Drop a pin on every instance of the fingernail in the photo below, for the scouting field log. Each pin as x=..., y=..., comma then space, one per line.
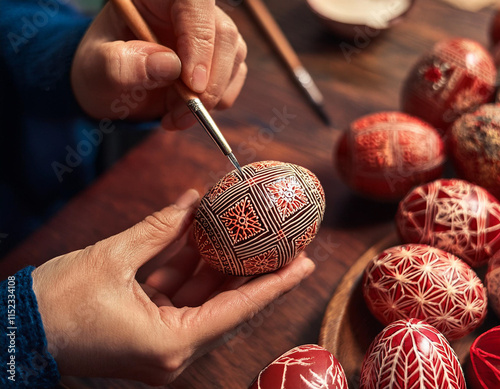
x=163, y=65
x=199, y=79
x=187, y=199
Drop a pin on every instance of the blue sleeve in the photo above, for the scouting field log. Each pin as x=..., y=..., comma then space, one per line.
x=38, y=39
x=26, y=362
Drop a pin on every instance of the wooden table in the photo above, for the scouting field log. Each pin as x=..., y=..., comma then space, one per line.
x=271, y=120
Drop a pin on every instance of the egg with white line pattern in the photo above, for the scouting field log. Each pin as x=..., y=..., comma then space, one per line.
x=411, y=354
x=303, y=367
x=257, y=221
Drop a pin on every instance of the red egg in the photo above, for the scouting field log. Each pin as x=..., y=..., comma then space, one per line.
x=474, y=145
x=423, y=282
x=495, y=29
x=455, y=77
x=303, y=367
x=384, y=155
x=411, y=354
x=453, y=215
x=484, y=368
x=258, y=221
x=492, y=280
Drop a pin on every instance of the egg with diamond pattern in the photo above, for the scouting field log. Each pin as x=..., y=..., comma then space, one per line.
x=257, y=221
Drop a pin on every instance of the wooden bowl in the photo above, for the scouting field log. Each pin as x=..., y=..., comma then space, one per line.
x=348, y=326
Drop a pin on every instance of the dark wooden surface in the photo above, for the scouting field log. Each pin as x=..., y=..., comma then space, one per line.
x=166, y=164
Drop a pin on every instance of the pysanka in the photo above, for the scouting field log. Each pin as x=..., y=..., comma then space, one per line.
x=259, y=222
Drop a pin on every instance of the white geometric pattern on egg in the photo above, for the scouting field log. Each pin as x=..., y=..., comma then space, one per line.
x=259, y=222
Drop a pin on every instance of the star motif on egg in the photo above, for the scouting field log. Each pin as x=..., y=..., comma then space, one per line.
x=435, y=74
x=288, y=196
x=241, y=220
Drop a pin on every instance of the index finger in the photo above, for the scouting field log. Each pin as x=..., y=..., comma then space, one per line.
x=194, y=27
x=228, y=309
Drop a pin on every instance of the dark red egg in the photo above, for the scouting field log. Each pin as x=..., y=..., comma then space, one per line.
x=483, y=370
x=495, y=29
x=411, y=354
x=384, y=155
x=474, y=145
x=492, y=280
x=303, y=367
x=424, y=282
x=455, y=77
x=453, y=215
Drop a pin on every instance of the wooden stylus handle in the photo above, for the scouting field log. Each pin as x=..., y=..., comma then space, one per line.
x=273, y=31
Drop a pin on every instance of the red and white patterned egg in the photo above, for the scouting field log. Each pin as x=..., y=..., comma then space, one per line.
x=453, y=215
x=424, y=282
x=411, y=354
x=455, y=77
x=303, y=367
x=384, y=155
x=258, y=222
x=474, y=145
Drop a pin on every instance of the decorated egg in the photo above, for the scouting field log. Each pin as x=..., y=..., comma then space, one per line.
x=384, y=155
x=427, y=283
x=411, y=354
x=474, y=144
x=303, y=367
x=258, y=221
x=453, y=215
x=483, y=370
x=455, y=77
x=492, y=280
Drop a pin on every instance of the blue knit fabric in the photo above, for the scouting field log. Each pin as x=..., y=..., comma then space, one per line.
x=39, y=116
x=25, y=361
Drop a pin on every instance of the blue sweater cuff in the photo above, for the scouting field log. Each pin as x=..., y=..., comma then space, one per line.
x=26, y=362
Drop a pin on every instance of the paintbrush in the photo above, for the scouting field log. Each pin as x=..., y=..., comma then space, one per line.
x=289, y=56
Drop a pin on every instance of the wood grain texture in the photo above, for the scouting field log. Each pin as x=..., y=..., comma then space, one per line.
x=270, y=121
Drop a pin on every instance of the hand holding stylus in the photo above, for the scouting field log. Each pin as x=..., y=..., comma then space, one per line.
x=117, y=76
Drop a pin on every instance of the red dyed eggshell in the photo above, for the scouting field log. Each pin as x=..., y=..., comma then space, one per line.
x=483, y=370
x=474, y=145
x=453, y=215
x=384, y=155
x=423, y=282
x=303, y=367
x=455, y=77
x=259, y=222
x=411, y=354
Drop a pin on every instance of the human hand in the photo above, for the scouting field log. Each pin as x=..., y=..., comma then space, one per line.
x=100, y=321
x=116, y=76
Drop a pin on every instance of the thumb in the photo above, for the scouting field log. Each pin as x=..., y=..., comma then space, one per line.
x=137, y=245
x=141, y=64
